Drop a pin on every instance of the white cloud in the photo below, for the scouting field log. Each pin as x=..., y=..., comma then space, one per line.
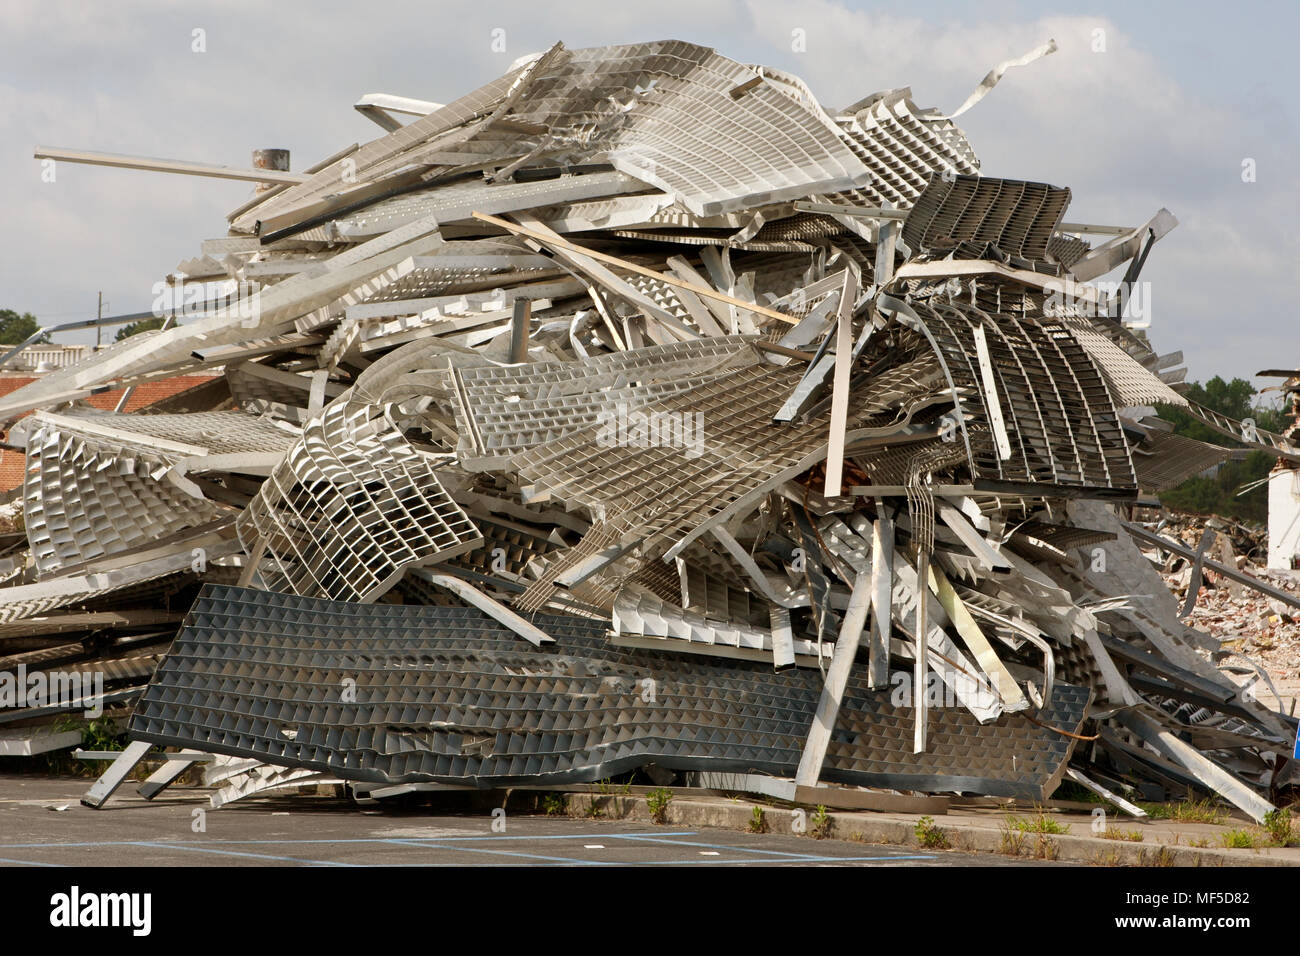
x=1115, y=126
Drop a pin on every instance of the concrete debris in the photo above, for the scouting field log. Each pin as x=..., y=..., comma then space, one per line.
x=637, y=410
x=1244, y=620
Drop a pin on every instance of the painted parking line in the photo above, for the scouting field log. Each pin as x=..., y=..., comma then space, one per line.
x=206, y=846
x=782, y=858
x=343, y=840
x=434, y=845
x=709, y=853
x=656, y=838
x=489, y=864
x=761, y=856
x=28, y=862
x=557, y=836
x=802, y=859
x=256, y=856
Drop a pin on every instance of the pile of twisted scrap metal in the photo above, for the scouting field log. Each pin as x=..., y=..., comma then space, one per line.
x=636, y=412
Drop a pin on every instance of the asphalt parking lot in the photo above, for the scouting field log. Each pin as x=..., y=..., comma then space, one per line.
x=42, y=824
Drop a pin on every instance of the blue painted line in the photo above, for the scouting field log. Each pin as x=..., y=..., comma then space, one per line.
x=655, y=838
x=539, y=859
x=755, y=855
x=780, y=856
x=29, y=862
x=41, y=846
x=692, y=862
x=256, y=856
x=462, y=865
x=751, y=862
x=429, y=845
x=554, y=836
x=493, y=837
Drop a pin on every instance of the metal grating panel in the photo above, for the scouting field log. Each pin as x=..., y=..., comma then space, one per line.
x=447, y=695
x=1165, y=460
x=350, y=508
x=84, y=498
x=1020, y=218
x=902, y=147
x=1129, y=381
x=736, y=452
x=1060, y=418
x=501, y=411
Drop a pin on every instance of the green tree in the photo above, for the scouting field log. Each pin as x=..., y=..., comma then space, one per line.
x=135, y=328
x=1218, y=495
x=15, y=328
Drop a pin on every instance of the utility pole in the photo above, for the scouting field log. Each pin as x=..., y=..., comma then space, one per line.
x=99, y=314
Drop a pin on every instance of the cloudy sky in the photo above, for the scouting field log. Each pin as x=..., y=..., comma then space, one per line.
x=1158, y=106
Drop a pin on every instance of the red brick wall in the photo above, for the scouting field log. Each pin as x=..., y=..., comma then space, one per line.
x=11, y=469
x=13, y=463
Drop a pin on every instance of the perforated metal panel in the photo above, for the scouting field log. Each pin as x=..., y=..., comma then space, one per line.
x=447, y=695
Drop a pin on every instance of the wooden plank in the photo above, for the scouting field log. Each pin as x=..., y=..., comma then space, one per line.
x=699, y=290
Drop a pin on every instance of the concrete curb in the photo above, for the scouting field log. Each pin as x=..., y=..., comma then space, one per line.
x=966, y=835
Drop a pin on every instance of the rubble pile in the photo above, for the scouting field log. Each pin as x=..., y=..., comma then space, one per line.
x=1242, y=618
x=638, y=412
